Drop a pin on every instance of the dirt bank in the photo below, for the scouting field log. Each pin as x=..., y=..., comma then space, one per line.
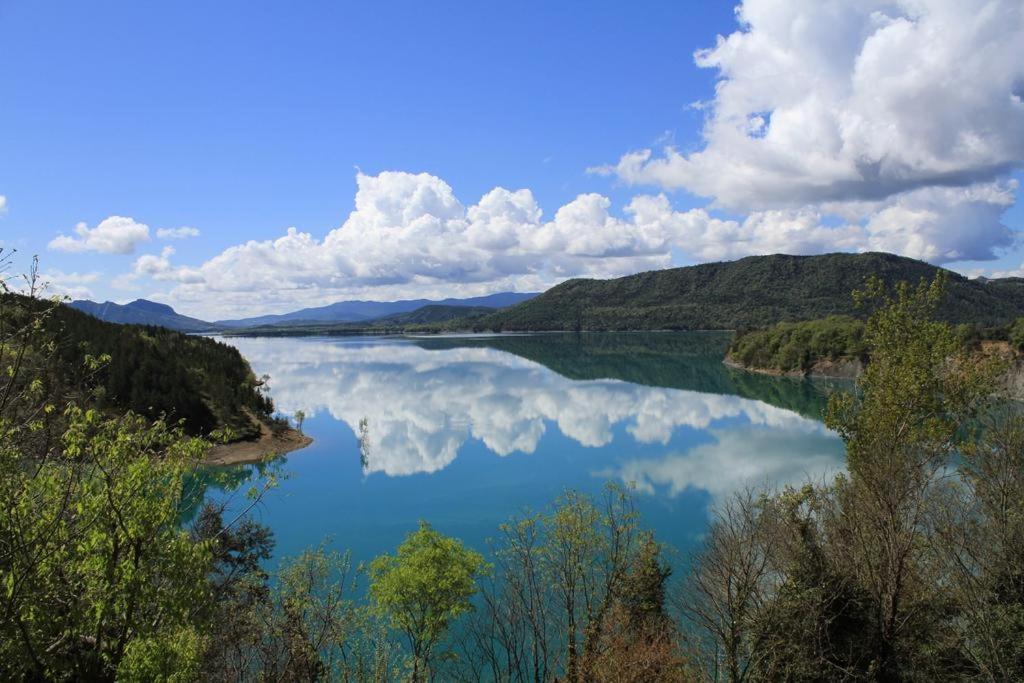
x=269, y=444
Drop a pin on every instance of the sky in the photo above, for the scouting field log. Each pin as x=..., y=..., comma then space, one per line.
x=240, y=158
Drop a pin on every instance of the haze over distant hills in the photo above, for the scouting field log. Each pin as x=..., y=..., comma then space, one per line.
x=355, y=311
x=144, y=312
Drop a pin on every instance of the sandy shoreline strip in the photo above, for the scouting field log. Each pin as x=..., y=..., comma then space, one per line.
x=269, y=444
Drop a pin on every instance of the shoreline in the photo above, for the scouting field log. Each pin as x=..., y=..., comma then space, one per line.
x=843, y=368
x=269, y=445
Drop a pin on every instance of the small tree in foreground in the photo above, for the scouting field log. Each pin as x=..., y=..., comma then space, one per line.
x=424, y=588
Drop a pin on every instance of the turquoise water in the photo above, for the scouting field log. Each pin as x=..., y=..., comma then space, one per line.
x=466, y=431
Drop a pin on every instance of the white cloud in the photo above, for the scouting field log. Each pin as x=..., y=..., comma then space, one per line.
x=114, y=235
x=410, y=235
x=176, y=233
x=901, y=116
x=853, y=100
x=159, y=268
x=3, y=203
x=71, y=285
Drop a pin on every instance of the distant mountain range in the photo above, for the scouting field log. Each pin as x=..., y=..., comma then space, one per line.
x=144, y=312
x=752, y=292
x=358, y=311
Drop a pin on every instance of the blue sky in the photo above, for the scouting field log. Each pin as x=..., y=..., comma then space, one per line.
x=242, y=120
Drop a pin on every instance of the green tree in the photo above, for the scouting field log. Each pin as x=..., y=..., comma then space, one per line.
x=424, y=588
x=99, y=579
x=901, y=429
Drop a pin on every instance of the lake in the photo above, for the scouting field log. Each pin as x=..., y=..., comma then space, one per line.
x=465, y=432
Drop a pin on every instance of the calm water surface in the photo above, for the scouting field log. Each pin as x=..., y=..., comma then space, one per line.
x=465, y=432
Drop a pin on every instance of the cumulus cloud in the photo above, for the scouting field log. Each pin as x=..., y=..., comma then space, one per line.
x=409, y=234
x=159, y=268
x=902, y=116
x=176, y=233
x=3, y=203
x=70, y=285
x=114, y=235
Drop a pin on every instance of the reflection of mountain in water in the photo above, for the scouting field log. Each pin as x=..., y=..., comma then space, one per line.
x=690, y=361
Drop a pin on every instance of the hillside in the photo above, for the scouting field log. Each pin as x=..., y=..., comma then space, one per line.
x=152, y=371
x=435, y=313
x=142, y=312
x=752, y=292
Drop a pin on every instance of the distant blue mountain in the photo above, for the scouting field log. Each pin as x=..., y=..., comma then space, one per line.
x=142, y=312
x=355, y=311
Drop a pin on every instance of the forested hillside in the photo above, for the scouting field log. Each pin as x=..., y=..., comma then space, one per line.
x=751, y=292
x=151, y=370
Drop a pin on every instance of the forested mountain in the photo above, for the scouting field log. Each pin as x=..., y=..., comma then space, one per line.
x=357, y=311
x=751, y=292
x=142, y=312
x=152, y=370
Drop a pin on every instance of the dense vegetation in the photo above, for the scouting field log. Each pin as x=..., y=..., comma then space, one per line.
x=808, y=347
x=152, y=371
x=798, y=347
x=752, y=292
x=893, y=571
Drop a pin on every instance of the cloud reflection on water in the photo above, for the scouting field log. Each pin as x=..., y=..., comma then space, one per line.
x=421, y=406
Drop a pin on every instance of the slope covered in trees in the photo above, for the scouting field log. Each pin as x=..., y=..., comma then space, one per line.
x=149, y=370
x=751, y=292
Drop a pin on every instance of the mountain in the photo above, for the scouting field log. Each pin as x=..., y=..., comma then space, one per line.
x=142, y=312
x=356, y=311
x=752, y=292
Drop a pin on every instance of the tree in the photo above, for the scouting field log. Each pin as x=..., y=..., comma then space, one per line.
x=563, y=578
x=100, y=580
x=855, y=579
x=908, y=418
x=981, y=538
x=729, y=586
x=638, y=639
x=424, y=588
x=300, y=417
